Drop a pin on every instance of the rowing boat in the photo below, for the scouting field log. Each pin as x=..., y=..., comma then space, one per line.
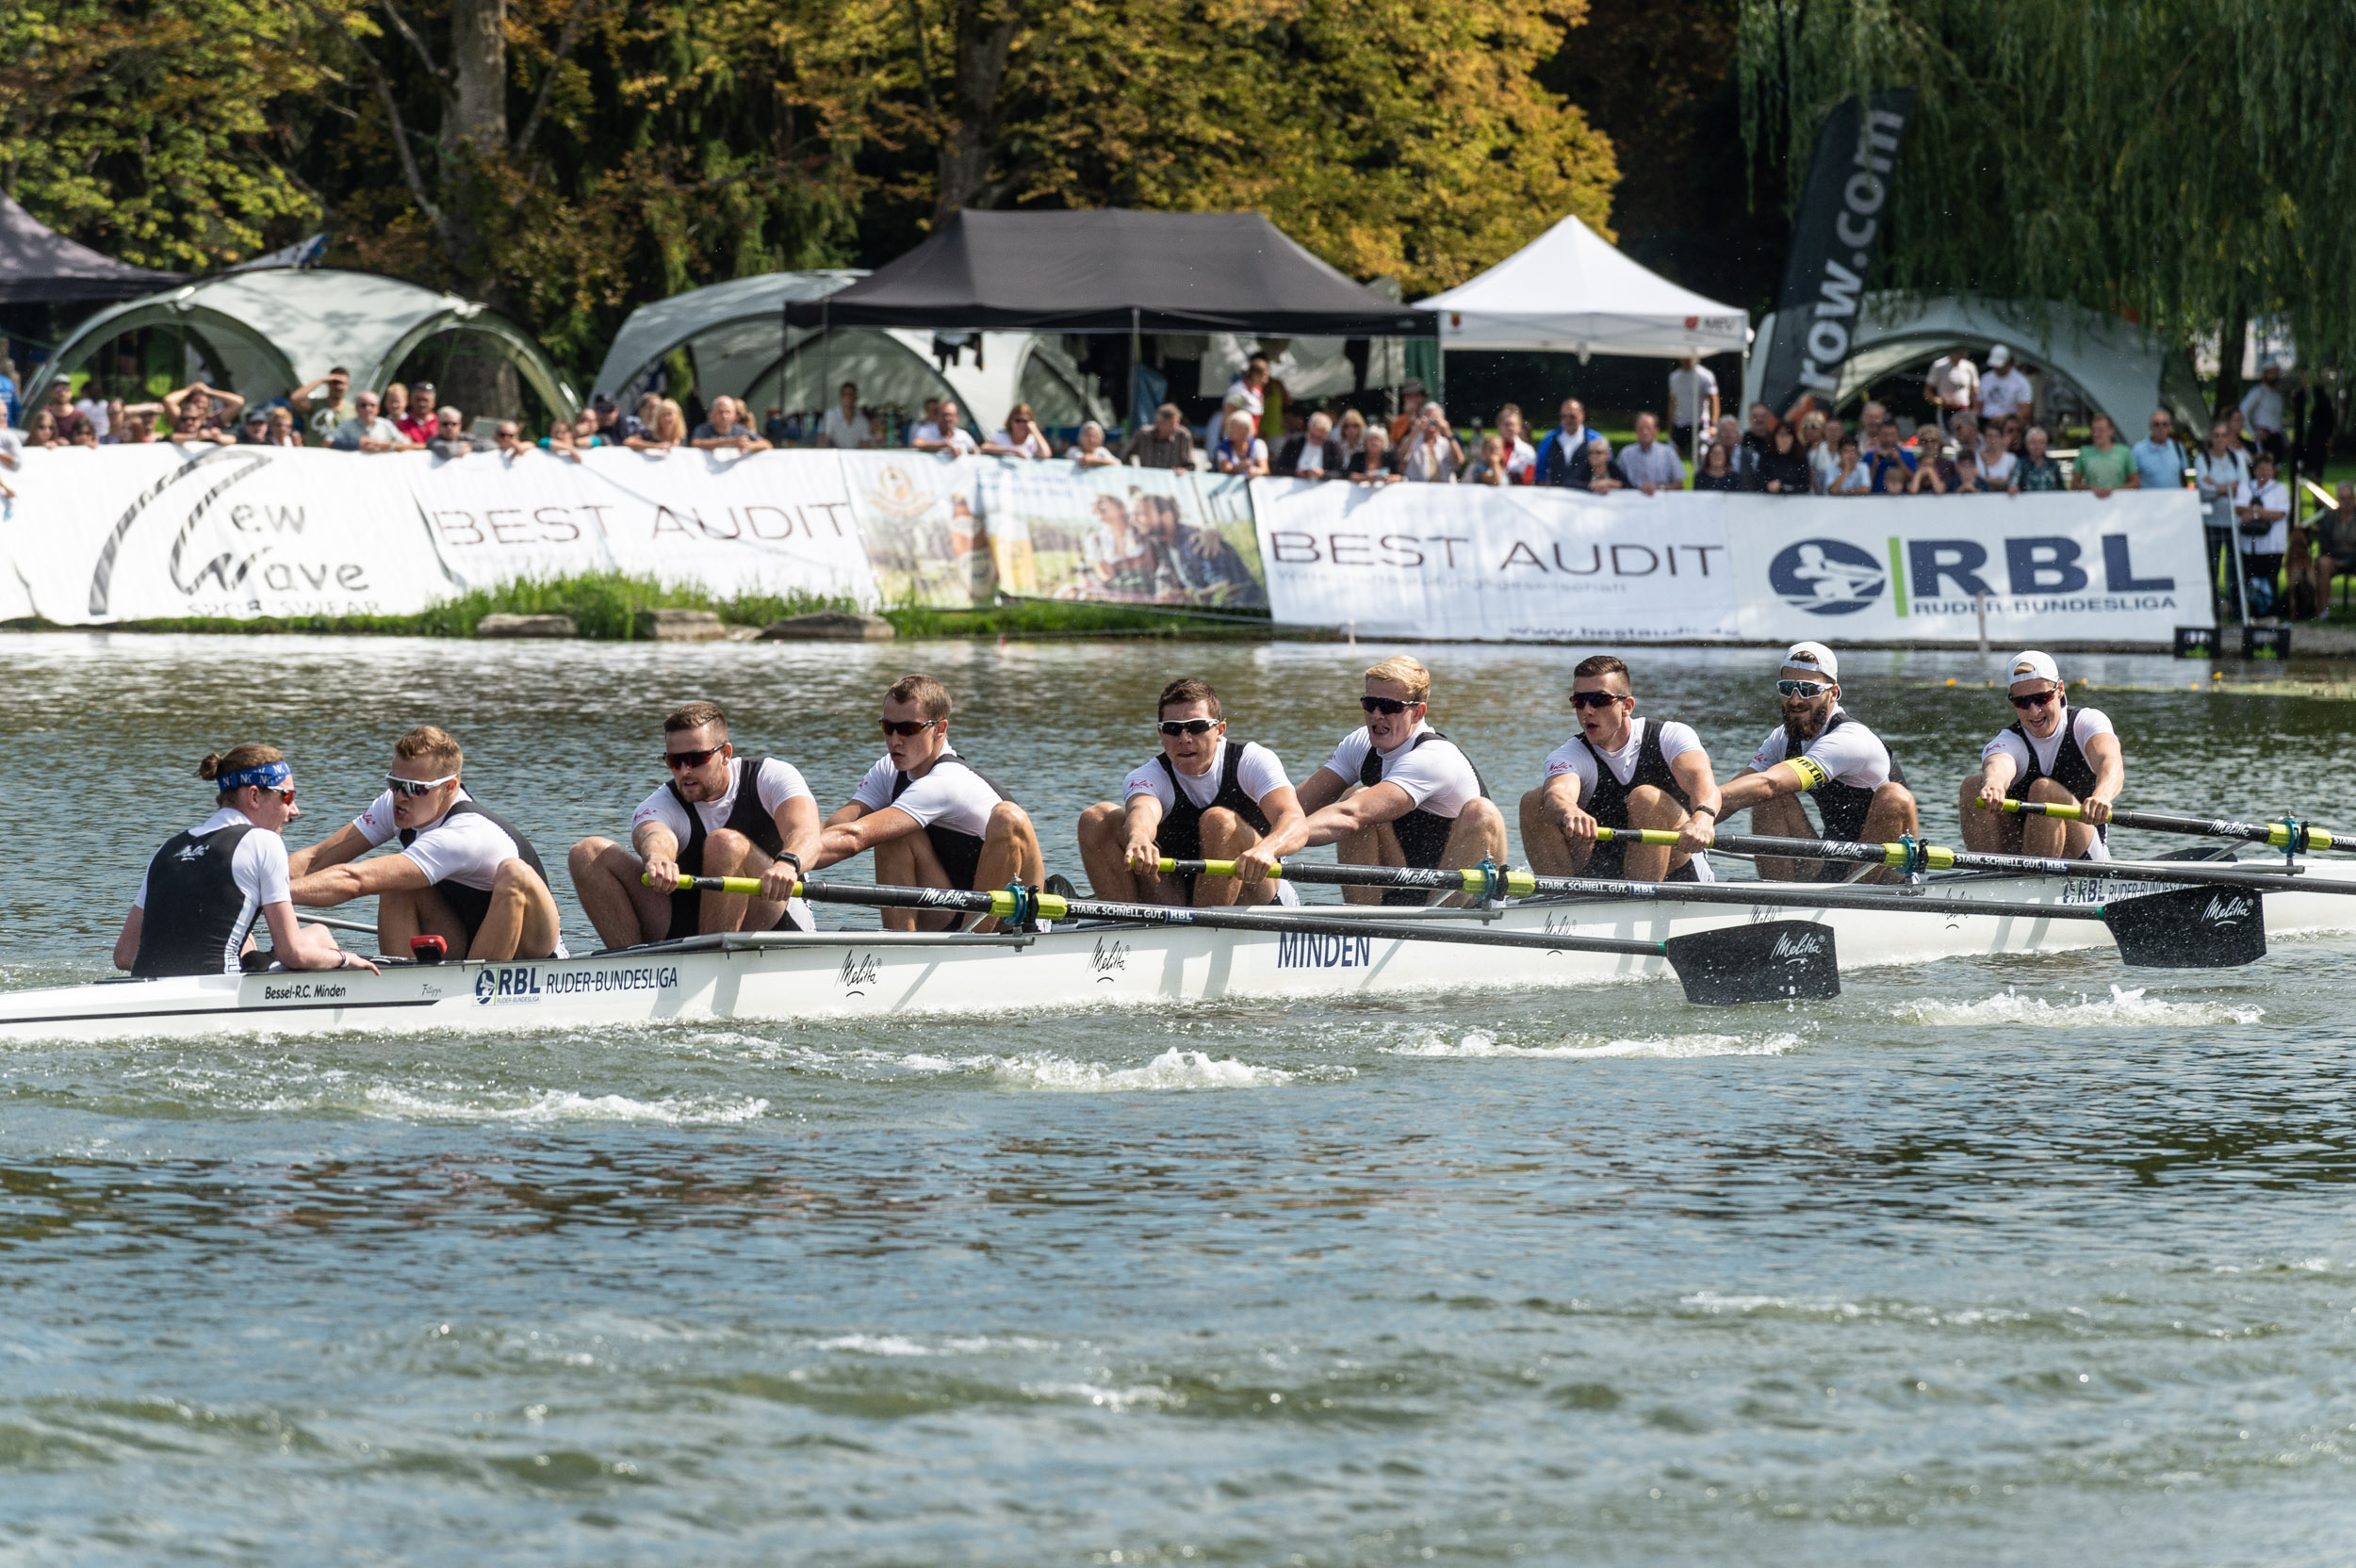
x=854, y=974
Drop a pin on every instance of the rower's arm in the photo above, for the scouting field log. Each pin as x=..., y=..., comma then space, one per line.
x=1692, y=771
x=1996, y=776
x=798, y=828
x=1287, y=834
x=127, y=944
x=344, y=843
x=842, y=840
x=1377, y=803
x=1751, y=788
x=342, y=884
x=1320, y=790
x=2110, y=777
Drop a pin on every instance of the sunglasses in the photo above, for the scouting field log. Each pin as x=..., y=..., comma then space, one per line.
x=1383, y=705
x=2036, y=699
x=1188, y=726
x=908, y=726
x=413, y=788
x=1594, y=699
x=681, y=760
x=1802, y=688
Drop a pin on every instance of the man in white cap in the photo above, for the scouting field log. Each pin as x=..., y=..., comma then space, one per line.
x=1820, y=750
x=2054, y=753
x=2004, y=391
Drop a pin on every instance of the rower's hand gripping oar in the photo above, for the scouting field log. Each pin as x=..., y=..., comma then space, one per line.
x=2290, y=835
x=1773, y=961
x=2216, y=922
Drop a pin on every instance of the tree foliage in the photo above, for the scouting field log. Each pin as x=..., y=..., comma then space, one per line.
x=2175, y=160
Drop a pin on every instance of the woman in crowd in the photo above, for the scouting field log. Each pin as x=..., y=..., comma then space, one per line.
x=79, y=432
x=1853, y=477
x=1996, y=459
x=1936, y=474
x=1432, y=454
x=1783, y=470
x=1601, y=480
x=42, y=429
x=1716, y=472
x=1239, y=452
x=1021, y=438
x=1350, y=432
x=396, y=409
x=2034, y=473
x=668, y=429
x=1089, y=452
x=1492, y=465
x=1371, y=463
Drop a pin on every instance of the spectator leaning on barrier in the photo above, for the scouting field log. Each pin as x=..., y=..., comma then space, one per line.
x=1090, y=450
x=368, y=429
x=1783, y=468
x=1312, y=454
x=1164, y=444
x=2262, y=409
x=1761, y=437
x=1854, y=477
x=2160, y=458
x=253, y=430
x=508, y=440
x=1887, y=455
x=1649, y=464
x=1240, y=450
x=2104, y=464
x=1490, y=467
x=1717, y=470
x=451, y=439
x=1371, y=463
x=1996, y=460
x=1969, y=481
x=2034, y=473
x=942, y=434
x=726, y=430
x=1935, y=473
x=323, y=416
x=1601, y=480
x=196, y=411
x=2003, y=391
x=418, y=425
x=1351, y=433
x=1021, y=438
x=1563, y=458
x=60, y=400
x=1742, y=458
x=41, y=431
x=2262, y=507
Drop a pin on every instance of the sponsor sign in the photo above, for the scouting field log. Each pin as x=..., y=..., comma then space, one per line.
x=1120, y=535
x=920, y=519
x=528, y=985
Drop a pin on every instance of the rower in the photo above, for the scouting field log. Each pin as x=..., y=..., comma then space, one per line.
x=2054, y=753
x=195, y=908
x=1394, y=792
x=1203, y=796
x=706, y=822
x=1821, y=751
x=464, y=873
x=1621, y=772
x=931, y=817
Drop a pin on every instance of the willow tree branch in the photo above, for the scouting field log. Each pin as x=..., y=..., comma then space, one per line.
x=564, y=44
x=425, y=56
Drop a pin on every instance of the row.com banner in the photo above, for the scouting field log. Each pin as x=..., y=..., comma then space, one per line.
x=1519, y=565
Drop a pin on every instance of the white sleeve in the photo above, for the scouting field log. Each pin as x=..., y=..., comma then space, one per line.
x=780, y=782
x=2241, y=492
x=465, y=849
x=260, y=867
x=1852, y=755
x=1677, y=740
x=1573, y=756
x=376, y=824
x=1258, y=772
x=1771, y=751
x=661, y=806
x=953, y=797
x=2008, y=745
x=1436, y=775
x=1349, y=756
x=2086, y=723
x=1148, y=778
x=874, y=790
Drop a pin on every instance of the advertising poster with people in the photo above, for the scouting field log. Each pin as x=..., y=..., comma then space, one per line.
x=1119, y=536
x=921, y=519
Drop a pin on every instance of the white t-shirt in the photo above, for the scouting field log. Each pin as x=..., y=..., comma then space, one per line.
x=1690, y=392
x=1034, y=445
x=1523, y=458
x=2085, y=722
x=778, y=782
x=466, y=848
x=2261, y=407
x=1252, y=399
x=2273, y=495
x=843, y=435
x=93, y=409
x=1953, y=379
x=959, y=440
x=1849, y=753
x=2004, y=393
x=258, y=863
x=949, y=796
x=1573, y=756
x=1996, y=472
x=1437, y=777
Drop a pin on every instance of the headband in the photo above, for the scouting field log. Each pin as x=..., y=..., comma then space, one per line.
x=270, y=775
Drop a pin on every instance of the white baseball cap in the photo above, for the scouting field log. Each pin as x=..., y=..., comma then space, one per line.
x=2033, y=665
x=2000, y=355
x=1814, y=656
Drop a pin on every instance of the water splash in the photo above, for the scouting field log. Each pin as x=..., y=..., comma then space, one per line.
x=1587, y=1048
x=2120, y=1009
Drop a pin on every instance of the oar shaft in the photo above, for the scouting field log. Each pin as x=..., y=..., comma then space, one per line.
x=309, y=918
x=2280, y=835
x=1938, y=858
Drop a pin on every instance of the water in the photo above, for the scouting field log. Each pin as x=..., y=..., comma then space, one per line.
x=1989, y=1262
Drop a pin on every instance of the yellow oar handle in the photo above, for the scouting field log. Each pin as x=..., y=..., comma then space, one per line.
x=2040, y=809
x=1002, y=903
x=1217, y=868
x=1518, y=884
x=748, y=886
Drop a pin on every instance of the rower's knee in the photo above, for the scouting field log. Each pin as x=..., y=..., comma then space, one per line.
x=1102, y=820
x=515, y=878
x=2046, y=791
x=1968, y=794
x=1225, y=835
x=1649, y=806
x=726, y=851
x=1481, y=815
x=1535, y=818
x=1008, y=821
x=586, y=855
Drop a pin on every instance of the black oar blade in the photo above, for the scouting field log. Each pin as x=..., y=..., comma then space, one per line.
x=1778, y=960
x=2190, y=928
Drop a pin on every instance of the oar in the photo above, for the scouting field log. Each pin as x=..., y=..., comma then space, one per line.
x=2185, y=929
x=309, y=918
x=2296, y=837
x=1773, y=961
x=2147, y=939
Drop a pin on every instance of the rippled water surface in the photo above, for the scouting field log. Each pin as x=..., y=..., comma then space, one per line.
x=2029, y=1261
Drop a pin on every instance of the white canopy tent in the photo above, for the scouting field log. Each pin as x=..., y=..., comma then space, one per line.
x=1570, y=291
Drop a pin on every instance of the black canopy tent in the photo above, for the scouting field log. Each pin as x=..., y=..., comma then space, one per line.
x=1114, y=270
x=40, y=266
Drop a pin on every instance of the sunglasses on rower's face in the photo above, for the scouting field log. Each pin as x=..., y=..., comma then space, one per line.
x=1802, y=688
x=908, y=726
x=681, y=760
x=2036, y=699
x=415, y=787
x=1383, y=705
x=1594, y=699
x=1188, y=726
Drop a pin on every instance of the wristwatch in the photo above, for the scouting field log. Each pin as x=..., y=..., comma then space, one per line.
x=789, y=855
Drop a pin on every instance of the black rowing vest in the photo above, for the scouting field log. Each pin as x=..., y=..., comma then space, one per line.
x=1181, y=834
x=1608, y=804
x=1422, y=834
x=196, y=917
x=473, y=905
x=2072, y=770
x=745, y=817
x=960, y=854
x=1843, y=804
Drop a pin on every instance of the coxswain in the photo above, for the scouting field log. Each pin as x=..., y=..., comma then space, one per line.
x=196, y=907
x=1394, y=792
x=720, y=815
x=1820, y=751
x=1203, y=796
x=931, y=817
x=1621, y=772
x=464, y=873
x=2052, y=753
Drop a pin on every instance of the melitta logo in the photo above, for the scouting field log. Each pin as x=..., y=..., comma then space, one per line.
x=2226, y=909
x=1826, y=577
x=1792, y=949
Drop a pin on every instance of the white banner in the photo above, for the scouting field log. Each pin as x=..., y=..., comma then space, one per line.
x=1474, y=562
x=1480, y=563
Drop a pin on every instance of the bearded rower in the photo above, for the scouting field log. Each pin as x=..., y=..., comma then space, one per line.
x=931, y=817
x=464, y=873
x=1203, y=796
x=196, y=907
x=720, y=815
x=1394, y=792
x=2052, y=753
x=1621, y=772
x=1820, y=750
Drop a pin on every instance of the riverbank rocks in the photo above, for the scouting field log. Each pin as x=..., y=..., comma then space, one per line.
x=830, y=626
x=505, y=625
x=680, y=626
